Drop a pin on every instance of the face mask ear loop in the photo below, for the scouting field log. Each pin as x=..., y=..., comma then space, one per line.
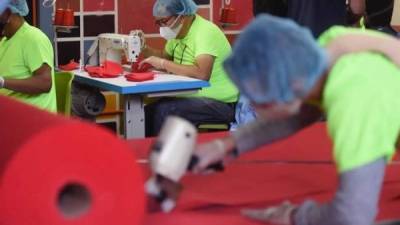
x=176, y=20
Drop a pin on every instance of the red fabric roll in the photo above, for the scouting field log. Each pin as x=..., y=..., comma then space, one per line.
x=57, y=171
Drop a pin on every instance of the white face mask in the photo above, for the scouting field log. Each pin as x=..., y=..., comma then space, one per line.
x=169, y=33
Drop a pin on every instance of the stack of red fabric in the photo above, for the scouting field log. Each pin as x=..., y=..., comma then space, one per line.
x=143, y=69
x=108, y=70
x=72, y=65
x=138, y=77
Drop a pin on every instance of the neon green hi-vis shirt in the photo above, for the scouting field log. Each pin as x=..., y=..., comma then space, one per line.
x=362, y=101
x=25, y=52
x=204, y=37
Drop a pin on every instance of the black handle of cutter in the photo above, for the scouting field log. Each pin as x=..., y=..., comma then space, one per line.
x=218, y=166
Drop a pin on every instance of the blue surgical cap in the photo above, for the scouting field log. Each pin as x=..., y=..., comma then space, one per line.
x=275, y=60
x=3, y=5
x=19, y=7
x=165, y=8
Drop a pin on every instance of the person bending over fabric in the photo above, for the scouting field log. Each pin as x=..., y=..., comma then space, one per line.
x=358, y=92
x=26, y=59
x=195, y=48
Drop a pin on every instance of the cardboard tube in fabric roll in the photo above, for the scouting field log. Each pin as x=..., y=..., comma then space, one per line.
x=55, y=171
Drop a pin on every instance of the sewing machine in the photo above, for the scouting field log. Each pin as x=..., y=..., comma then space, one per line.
x=113, y=46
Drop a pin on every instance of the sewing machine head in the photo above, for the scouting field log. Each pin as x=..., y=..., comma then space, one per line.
x=112, y=46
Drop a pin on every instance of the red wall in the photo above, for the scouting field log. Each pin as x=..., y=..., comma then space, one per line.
x=137, y=14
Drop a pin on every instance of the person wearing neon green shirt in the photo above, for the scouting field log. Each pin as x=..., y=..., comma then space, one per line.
x=352, y=77
x=195, y=48
x=26, y=59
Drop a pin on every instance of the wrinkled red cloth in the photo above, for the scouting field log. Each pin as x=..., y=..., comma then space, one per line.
x=72, y=65
x=145, y=67
x=247, y=182
x=138, y=77
x=108, y=70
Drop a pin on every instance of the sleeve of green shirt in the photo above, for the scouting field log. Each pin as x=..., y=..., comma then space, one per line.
x=38, y=51
x=208, y=44
x=337, y=31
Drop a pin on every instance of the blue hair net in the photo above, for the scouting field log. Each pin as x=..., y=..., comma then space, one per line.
x=275, y=60
x=3, y=5
x=19, y=7
x=165, y=8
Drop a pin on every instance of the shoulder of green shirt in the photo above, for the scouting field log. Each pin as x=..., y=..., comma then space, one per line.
x=337, y=31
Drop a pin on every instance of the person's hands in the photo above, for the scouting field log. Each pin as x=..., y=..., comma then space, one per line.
x=209, y=154
x=154, y=61
x=281, y=214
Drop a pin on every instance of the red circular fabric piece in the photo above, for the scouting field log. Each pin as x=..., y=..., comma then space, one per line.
x=42, y=153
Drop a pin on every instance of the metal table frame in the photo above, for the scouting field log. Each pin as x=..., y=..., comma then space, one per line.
x=133, y=92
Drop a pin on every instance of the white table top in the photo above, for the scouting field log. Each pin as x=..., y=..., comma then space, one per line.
x=162, y=82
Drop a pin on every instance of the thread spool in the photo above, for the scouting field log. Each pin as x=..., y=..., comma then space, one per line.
x=59, y=17
x=69, y=19
x=228, y=15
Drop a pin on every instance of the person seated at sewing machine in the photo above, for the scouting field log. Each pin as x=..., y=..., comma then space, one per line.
x=26, y=59
x=358, y=92
x=195, y=48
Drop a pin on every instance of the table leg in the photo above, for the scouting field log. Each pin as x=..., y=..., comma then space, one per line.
x=134, y=117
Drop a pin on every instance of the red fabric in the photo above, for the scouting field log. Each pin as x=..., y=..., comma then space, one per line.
x=72, y=65
x=138, y=77
x=113, y=68
x=218, y=198
x=41, y=153
x=108, y=70
x=145, y=67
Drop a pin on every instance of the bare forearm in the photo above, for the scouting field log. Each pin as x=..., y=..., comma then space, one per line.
x=262, y=132
x=185, y=70
x=354, y=43
x=31, y=86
